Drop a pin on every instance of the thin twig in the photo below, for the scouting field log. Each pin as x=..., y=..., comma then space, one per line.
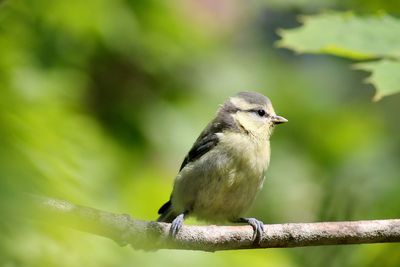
x=153, y=235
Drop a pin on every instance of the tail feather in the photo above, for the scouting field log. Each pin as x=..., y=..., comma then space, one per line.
x=166, y=213
x=164, y=207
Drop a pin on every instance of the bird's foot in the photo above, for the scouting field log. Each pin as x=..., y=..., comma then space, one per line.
x=176, y=224
x=258, y=228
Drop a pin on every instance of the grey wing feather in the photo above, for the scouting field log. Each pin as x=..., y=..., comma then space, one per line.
x=203, y=144
x=208, y=138
x=206, y=141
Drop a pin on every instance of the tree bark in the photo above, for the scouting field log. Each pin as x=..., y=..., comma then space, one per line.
x=154, y=235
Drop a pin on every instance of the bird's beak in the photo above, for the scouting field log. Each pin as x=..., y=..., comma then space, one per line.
x=278, y=119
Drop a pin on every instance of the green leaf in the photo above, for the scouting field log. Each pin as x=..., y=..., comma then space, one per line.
x=385, y=76
x=346, y=35
x=355, y=37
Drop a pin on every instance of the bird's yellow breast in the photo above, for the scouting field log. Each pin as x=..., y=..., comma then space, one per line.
x=223, y=183
x=250, y=154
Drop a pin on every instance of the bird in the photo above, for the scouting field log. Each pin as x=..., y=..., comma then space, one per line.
x=224, y=170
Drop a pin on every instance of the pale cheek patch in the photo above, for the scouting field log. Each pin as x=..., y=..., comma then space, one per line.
x=249, y=122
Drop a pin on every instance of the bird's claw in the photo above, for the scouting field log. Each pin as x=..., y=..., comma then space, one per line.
x=176, y=225
x=258, y=228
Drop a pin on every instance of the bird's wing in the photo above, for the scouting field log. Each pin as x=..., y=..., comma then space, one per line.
x=206, y=141
x=209, y=138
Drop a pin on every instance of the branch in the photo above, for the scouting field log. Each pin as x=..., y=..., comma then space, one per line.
x=153, y=235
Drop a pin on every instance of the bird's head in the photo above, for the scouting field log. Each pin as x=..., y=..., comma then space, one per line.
x=252, y=113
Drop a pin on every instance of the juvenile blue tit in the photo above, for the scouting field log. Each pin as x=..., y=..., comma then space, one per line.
x=224, y=170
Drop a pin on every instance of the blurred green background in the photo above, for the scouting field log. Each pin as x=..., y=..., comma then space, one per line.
x=101, y=100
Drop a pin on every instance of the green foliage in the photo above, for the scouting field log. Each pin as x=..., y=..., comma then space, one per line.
x=354, y=37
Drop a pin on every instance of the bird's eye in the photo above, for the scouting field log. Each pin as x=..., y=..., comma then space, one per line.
x=261, y=112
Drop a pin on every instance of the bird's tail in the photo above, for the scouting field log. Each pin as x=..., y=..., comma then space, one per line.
x=166, y=213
